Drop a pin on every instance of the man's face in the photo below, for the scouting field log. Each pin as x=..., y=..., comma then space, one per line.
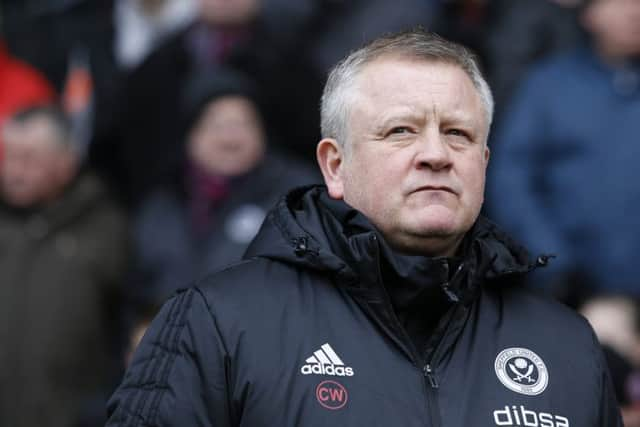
x=35, y=166
x=416, y=157
x=615, y=26
x=228, y=138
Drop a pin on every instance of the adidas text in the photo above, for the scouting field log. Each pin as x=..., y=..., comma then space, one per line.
x=319, y=369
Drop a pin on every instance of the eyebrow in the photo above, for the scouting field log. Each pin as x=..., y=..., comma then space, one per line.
x=458, y=118
x=396, y=115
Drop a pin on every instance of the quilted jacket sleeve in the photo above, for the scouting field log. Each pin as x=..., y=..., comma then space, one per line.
x=178, y=374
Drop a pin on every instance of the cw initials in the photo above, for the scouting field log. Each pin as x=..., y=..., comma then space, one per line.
x=331, y=394
x=335, y=395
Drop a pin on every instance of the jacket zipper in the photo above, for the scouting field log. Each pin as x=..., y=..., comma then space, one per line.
x=430, y=379
x=431, y=386
x=429, y=375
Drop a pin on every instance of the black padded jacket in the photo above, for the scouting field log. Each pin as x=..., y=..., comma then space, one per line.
x=303, y=333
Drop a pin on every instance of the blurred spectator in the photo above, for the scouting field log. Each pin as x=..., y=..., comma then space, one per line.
x=140, y=25
x=616, y=320
x=20, y=86
x=524, y=32
x=61, y=261
x=564, y=158
x=52, y=34
x=510, y=35
x=625, y=380
x=230, y=177
x=148, y=122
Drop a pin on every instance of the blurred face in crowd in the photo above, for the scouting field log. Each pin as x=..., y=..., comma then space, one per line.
x=152, y=7
x=229, y=13
x=36, y=165
x=615, y=27
x=228, y=138
x=416, y=154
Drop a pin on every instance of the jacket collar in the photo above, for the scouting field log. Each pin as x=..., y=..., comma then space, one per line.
x=310, y=229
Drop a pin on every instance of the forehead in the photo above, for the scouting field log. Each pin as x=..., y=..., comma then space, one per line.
x=36, y=134
x=396, y=78
x=391, y=86
x=229, y=105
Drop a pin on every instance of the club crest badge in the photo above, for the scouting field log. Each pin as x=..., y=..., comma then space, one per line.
x=522, y=371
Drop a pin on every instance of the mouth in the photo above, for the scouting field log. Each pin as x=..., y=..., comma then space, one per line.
x=434, y=188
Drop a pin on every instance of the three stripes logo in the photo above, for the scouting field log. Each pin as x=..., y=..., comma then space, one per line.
x=325, y=361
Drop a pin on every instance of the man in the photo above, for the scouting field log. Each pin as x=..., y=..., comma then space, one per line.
x=206, y=216
x=382, y=300
x=61, y=260
x=566, y=152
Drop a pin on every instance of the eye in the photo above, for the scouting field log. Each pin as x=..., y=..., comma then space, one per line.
x=457, y=132
x=399, y=130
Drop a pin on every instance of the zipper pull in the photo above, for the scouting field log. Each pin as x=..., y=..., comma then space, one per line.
x=430, y=376
x=449, y=293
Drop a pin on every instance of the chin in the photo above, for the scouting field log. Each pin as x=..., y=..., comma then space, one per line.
x=433, y=238
x=434, y=224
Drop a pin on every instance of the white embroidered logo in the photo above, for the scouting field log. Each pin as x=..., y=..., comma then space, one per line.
x=522, y=371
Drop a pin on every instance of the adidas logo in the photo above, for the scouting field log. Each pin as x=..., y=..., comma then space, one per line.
x=325, y=361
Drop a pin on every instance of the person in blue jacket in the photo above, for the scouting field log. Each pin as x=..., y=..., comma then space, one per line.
x=563, y=178
x=382, y=298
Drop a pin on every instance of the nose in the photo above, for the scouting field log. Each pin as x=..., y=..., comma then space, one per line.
x=432, y=152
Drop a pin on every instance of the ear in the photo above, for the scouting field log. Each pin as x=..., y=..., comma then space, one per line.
x=330, y=159
x=487, y=155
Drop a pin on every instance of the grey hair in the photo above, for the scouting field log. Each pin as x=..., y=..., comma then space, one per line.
x=413, y=44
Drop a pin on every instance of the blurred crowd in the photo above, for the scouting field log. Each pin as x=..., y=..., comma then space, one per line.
x=143, y=141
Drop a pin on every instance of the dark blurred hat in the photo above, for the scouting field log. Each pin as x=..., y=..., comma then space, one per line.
x=205, y=86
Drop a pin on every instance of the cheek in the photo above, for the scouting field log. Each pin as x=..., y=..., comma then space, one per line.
x=373, y=187
x=474, y=185
x=202, y=149
x=42, y=174
x=355, y=181
x=248, y=143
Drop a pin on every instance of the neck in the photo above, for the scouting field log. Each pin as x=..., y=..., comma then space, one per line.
x=436, y=246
